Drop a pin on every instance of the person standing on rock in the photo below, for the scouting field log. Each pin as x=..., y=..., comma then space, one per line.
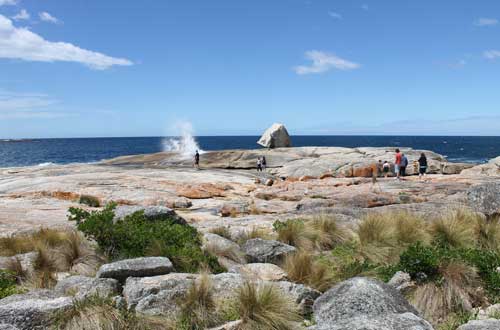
x=259, y=165
x=397, y=164
x=386, y=168
x=422, y=162
x=197, y=160
x=404, y=164
x=264, y=163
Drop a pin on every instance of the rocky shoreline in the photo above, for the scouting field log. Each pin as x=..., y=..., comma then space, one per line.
x=228, y=194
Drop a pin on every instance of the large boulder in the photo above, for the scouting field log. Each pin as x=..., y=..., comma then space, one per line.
x=33, y=310
x=138, y=267
x=7, y=327
x=485, y=198
x=159, y=295
x=83, y=286
x=364, y=303
x=266, y=251
x=152, y=213
x=489, y=324
x=275, y=136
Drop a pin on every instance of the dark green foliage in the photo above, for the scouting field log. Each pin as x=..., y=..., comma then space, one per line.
x=89, y=200
x=421, y=262
x=136, y=236
x=7, y=284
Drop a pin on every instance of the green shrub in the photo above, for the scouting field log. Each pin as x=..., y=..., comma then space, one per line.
x=7, y=284
x=89, y=200
x=135, y=236
x=418, y=260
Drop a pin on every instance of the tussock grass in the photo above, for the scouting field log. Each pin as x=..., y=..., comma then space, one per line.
x=327, y=233
x=295, y=233
x=383, y=236
x=455, y=229
x=302, y=267
x=265, y=307
x=458, y=291
x=198, y=307
x=488, y=233
x=222, y=231
x=89, y=200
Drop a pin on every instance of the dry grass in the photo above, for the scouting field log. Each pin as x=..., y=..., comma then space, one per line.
x=296, y=233
x=222, y=231
x=302, y=268
x=458, y=291
x=488, y=233
x=455, y=229
x=198, y=308
x=76, y=251
x=383, y=236
x=327, y=232
x=265, y=307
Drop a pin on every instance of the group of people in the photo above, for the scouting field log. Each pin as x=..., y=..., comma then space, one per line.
x=401, y=163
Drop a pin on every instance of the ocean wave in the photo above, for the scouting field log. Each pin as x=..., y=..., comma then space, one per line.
x=46, y=164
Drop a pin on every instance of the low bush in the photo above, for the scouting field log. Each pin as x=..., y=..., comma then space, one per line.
x=421, y=262
x=8, y=284
x=89, y=200
x=135, y=236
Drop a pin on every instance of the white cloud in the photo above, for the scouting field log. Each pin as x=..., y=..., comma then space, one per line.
x=323, y=62
x=491, y=54
x=21, y=43
x=364, y=7
x=46, y=17
x=22, y=15
x=28, y=105
x=486, y=22
x=8, y=2
x=334, y=15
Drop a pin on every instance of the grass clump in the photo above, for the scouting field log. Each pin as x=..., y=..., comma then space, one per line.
x=255, y=232
x=136, y=236
x=456, y=229
x=295, y=233
x=301, y=267
x=198, y=307
x=265, y=307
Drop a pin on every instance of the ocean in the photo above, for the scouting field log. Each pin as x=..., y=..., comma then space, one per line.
x=86, y=150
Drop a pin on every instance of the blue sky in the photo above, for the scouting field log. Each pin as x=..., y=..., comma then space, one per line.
x=135, y=68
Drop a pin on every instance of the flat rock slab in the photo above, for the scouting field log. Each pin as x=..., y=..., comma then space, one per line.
x=33, y=310
x=139, y=267
x=83, y=286
x=489, y=324
x=260, y=271
x=266, y=251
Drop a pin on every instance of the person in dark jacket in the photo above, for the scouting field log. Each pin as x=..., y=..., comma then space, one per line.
x=422, y=163
x=404, y=164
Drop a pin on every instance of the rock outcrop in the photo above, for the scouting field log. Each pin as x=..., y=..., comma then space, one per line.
x=34, y=310
x=275, y=136
x=489, y=324
x=138, y=267
x=485, y=198
x=266, y=251
x=82, y=287
x=260, y=271
x=364, y=303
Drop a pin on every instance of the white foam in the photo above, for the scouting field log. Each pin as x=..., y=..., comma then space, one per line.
x=46, y=164
x=184, y=144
